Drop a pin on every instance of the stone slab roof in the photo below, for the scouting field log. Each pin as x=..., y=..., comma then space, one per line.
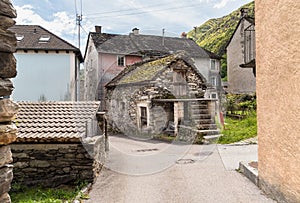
x=137, y=43
x=147, y=71
x=35, y=37
x=54, y=121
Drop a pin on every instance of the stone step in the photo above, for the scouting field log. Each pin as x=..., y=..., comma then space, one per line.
x=204, y=121
x=199, y=111
x=198, y=106
x=206, y=127
x=211, y=138
x=201, y=116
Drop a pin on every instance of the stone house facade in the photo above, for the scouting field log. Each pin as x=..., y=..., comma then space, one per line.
x=149, y=96
x=107, y=55
x=278, y=95
x=8, y=109
x=241, y=57
x=57, y=143
x=39, y=51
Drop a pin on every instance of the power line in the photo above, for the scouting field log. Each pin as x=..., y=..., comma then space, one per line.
x=131, y=9
x=142, y=12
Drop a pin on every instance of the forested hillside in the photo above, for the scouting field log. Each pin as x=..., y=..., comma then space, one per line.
x=215, y=33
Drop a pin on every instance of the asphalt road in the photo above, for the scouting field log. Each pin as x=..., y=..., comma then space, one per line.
x=149, y=171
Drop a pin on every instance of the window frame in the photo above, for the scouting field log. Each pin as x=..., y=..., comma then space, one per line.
x=121, y=61
x=213, y=81
x=215, y=64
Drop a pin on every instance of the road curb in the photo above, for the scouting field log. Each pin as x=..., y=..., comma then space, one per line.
x=250, y=172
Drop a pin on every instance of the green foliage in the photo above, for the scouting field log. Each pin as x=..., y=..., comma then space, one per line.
x=237, y=130
x=223, y=71
x=50, y=195
x=22, y=194
x=240, y=103
x=214, y=34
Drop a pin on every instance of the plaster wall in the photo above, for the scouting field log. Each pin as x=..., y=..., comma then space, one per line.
x=240, y=80
x=47, y=74
x=278, y=95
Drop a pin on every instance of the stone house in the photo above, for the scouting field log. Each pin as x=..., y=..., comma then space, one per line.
x=159, y=95
x=42, y=57
x=57, y=143
x=241, y=57
x=106, y=55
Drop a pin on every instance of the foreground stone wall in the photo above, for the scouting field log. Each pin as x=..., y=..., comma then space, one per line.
x=51, y=165
x=8, y=109
x=278, y=96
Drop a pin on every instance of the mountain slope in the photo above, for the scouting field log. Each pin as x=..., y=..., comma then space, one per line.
x=214, y=34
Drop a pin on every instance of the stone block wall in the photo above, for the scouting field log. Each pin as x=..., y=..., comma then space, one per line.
x=51, y=165
x=8, y=109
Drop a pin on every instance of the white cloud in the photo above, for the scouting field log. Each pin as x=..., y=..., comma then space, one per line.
x=222, y=3
x=62, y=22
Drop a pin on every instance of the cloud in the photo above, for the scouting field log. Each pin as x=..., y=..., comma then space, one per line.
x=222, y=4
x=62, y=22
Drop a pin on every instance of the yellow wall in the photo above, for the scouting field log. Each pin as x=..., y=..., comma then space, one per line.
x=278, y=97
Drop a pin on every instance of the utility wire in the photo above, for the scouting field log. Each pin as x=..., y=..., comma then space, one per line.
x=142, y=12
x=131, y=9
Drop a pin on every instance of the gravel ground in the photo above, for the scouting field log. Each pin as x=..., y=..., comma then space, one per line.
x=198, y=175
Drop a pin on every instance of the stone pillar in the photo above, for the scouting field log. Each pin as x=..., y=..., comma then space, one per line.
x=8, y=109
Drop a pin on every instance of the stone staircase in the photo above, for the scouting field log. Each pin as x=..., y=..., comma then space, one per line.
x=203, y=120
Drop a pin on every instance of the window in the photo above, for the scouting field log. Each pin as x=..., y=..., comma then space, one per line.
x=143, y=116
x=213, y=96
x=44, y=39
x=19, y=37
x=213, y=81
x=121, y=61
x=213, y=64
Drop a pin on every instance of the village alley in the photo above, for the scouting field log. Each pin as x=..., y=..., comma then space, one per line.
x=175, y=173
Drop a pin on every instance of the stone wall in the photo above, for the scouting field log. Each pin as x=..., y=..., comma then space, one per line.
x=8, y=109
x=278, y=63
x=51, y=165
x=123, y=101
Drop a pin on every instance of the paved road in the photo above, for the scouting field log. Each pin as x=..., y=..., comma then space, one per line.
x=174, y=173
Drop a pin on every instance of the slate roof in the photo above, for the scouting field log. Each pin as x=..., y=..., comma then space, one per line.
x=138, y=43
x=146, y=71
x=30, y=36
x=54, y=121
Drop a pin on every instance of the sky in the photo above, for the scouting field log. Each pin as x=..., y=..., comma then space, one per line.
x=120, y=16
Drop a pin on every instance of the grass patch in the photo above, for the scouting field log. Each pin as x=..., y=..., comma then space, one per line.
x=20, y=194
x=237, y=130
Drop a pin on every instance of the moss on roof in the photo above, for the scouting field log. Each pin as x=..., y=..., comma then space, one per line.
x=147, y=71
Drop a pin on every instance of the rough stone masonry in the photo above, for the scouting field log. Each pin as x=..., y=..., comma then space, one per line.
x=8, y=109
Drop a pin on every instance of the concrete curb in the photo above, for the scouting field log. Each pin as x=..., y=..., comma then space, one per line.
x=250, y=172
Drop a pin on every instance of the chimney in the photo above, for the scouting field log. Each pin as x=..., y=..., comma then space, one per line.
x=183, y=35
x=98, y=28
x=244, y=12
x=135, y=31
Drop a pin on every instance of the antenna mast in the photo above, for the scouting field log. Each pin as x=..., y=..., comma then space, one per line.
x=78, y=21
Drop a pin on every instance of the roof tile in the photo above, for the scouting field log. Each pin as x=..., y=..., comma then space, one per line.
x=54, y=121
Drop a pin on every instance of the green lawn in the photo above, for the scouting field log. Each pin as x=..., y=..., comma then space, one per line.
x=236, y=130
